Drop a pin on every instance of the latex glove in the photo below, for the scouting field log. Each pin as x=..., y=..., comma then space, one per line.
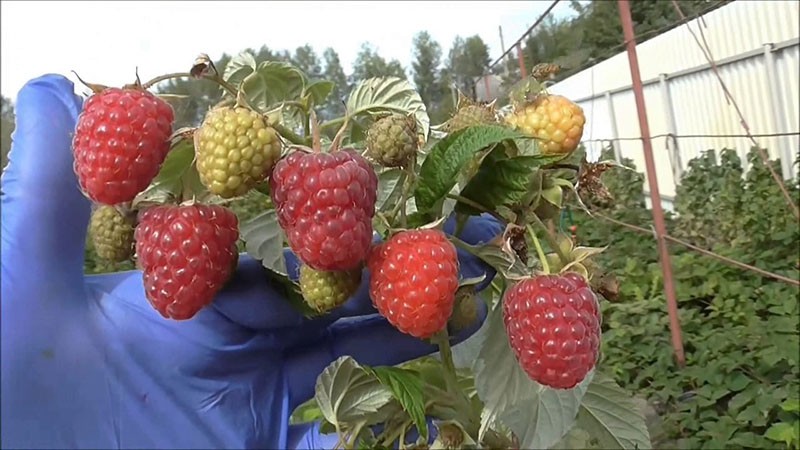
x=88, y=363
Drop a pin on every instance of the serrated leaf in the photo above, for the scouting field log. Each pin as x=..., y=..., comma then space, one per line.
x=506, y=263
x=345, y=392
x=390, y=183
x=539, y=416
x=543, y=421
x=272, y=83
x=263, y=239
x=307, y=412
x=501, y=181
x=612, y=417
x=438, y=174
x=177, y=173
x=495, y=362
x=388, y=94
x=407, y=388
x=319, y=90
x=553, y=195
x=239, y=67
x=783, y=432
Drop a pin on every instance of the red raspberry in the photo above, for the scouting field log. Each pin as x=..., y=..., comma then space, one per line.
x=414, y=279
x=187, y=254
x=325, y=202
x=120, y=142
x=553, y=325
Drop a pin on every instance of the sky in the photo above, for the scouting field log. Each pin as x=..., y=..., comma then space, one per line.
x=104, y=42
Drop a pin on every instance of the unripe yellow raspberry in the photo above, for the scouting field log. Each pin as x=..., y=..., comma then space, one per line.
x=555, y=120
x=236, y=150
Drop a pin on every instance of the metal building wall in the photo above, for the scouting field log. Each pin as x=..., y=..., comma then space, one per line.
x=756, y=45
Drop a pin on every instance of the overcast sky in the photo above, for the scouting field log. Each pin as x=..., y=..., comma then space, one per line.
x=104, y=41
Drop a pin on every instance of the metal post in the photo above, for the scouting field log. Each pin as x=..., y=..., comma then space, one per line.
x=655, y=196
x=672, y=128
x=522, y=71
x=612, y=117
x=778, y=117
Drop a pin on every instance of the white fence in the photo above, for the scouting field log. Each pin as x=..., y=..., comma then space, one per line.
x=756, y=46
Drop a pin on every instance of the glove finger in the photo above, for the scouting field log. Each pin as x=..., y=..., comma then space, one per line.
x=45, y=216
x=370, y=340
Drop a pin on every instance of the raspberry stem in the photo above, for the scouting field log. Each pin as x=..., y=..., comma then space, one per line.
x=442, y=339
x=551, y=241
x=539, y=251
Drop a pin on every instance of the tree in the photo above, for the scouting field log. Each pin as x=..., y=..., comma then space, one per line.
x=335, y=74
x=306, y=59
x=370, y=64
x=7, y=125
x=427, y=59
x=468, y=60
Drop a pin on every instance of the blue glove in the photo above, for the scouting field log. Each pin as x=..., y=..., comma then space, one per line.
x=88, y=363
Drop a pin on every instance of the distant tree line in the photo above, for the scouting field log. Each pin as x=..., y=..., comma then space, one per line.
x=593, y=34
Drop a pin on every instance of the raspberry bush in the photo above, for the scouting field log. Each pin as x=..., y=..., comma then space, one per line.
x=326, y=189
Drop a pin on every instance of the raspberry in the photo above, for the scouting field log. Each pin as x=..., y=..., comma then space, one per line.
x=555, y=120
x=324, y=291
x=393, y=140
x=325, y=203
x=553, y=325
x=465, y=311
x=111, y=233
x=414, y=278
x=236, y=150
x=187, y=254
x=471, y=115
x=120, y=142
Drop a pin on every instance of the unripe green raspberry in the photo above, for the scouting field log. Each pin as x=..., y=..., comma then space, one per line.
x=236, y=150
x=324, y=291
x=392, y=141
x=472, y=115
x=111, y=233
x=465, y=311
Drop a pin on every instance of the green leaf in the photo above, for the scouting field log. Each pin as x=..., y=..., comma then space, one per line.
x=506, y=263
x=263, y=239
x=306, y=413
x=448, y=157
x=612, y=417
x=319, y=90
x=345, y=392
x=390, y=183
x=407, y=388
x=273, y=82
x=239, y=67
x=791, y=405
x=501, y=181
x=543, y=421
x=388, y=94
x=539, y=416
x=178, y=175
x=554, y=195
x=783, y=432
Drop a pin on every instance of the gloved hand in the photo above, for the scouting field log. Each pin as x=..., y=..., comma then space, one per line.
x=88, y=363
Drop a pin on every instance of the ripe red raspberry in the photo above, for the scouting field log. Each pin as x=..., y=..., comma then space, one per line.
x=553, y=325
x=325, y=202
x=120, y=142
x=414, y=279
x=187, y=254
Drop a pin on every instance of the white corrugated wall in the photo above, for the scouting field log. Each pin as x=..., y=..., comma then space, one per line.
x=736, y=34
